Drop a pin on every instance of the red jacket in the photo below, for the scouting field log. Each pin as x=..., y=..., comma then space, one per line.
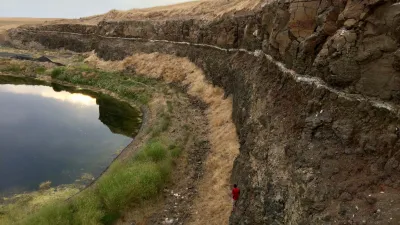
x=235, y=193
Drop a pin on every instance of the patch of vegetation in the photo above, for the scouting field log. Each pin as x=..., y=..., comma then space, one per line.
x=131, y=87
x=162, y=125
x=40, y=70
x=176, y=151
x=133, y=182
x=16, y=209
x=13, y=68
x=126, y=183
x=55, y=73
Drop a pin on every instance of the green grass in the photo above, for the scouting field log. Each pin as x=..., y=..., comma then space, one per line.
x=176, y=151
x=40, y=70
x=57, y=214
x=155, y=151
x=55, y=73
x=131, y=87
x=126, y=183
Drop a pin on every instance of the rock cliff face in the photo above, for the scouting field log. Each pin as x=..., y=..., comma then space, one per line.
x=318, y=148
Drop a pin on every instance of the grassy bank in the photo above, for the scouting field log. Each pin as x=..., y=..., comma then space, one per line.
x=127, y=183
x=136, y=88
x=126, y=85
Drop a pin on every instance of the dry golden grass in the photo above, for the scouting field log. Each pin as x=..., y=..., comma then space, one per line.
x=213, y=204
x=9, y=23
x=203, y=9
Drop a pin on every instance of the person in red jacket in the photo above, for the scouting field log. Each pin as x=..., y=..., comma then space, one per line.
x=235, y=195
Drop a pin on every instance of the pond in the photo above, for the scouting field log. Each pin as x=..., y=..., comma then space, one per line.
x=58, y=134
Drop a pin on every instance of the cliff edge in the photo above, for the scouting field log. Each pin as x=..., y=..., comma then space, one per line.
x=316, y=93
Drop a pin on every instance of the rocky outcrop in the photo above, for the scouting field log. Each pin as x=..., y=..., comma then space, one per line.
x=351, y=45
x=316, y=149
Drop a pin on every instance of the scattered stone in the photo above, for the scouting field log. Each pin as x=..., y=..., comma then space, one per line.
x=168, y=221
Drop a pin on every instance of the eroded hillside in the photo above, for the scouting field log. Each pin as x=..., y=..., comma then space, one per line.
x=315, y=87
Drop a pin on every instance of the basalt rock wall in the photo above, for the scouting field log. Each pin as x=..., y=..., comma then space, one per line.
x=352, y=45
x=313, y=151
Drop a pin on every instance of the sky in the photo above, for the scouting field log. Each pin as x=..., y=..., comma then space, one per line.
x=72, y=8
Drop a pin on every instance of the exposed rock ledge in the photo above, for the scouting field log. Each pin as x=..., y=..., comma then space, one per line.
x=318, y=149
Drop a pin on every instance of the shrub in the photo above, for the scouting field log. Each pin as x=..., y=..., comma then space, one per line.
x=138, y=182
x=176, y=151
x=40, y=70
x=87, y=208
x=57, y=72
x=155, y=151
x=58, y=213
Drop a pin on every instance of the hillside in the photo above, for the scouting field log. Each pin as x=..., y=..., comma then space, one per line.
x=203, y=9
x=9, y=23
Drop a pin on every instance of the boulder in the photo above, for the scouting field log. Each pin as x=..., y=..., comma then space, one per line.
x=302, y=21
x=327, y=21
x=353, y=10
x=374, y=47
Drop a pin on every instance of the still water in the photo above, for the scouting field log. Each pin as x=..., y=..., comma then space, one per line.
x=57, y=134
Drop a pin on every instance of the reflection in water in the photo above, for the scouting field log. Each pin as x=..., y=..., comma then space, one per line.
x=57, y=133
x=118, y=116
x=48, y=92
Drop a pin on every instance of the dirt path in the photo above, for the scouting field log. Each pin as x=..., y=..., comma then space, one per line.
x=189, y=121
x=211, y=203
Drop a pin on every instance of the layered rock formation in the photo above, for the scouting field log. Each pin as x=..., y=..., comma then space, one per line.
x=317, y=148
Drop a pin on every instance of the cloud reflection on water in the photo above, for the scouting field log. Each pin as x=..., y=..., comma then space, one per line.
x=48, y=92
